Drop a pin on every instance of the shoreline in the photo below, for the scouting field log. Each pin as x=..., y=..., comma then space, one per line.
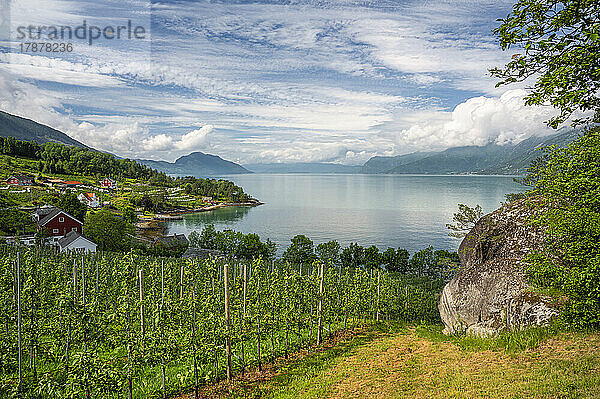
x=150, y=223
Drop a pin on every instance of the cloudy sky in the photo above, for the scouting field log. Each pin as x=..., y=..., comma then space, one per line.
x=267, y=81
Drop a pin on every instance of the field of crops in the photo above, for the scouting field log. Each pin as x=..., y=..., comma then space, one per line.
x=109, y=325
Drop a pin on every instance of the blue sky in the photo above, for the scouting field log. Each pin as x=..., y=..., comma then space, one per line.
x=269, y=81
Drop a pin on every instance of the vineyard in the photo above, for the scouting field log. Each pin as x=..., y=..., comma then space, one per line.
x=124, y=325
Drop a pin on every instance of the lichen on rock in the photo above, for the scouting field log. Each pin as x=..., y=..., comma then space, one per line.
x=490, y=293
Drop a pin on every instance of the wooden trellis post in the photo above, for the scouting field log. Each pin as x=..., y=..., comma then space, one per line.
x=227, y=320
x=378, y=291
x=19, y=319
x=258, y=313
x=141, y=284
x=320, y=308
x=242, y=322
x=162, y=305
x=194, y=341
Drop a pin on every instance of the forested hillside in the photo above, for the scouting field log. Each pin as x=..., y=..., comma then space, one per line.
x=52, y=158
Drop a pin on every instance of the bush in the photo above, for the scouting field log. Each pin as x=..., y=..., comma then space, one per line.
x=566, y=188
x=110, y=232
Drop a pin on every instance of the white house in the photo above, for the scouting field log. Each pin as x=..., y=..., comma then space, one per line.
x=75, y=242
x=89, y=199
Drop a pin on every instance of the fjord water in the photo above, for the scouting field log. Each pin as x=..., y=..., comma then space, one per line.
x=406, y=211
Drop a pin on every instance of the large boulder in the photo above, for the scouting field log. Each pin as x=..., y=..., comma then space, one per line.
x=490, y=292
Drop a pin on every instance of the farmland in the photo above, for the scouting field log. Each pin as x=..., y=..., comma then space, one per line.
x=118, y=325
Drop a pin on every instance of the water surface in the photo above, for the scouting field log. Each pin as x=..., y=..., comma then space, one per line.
x=407, y=211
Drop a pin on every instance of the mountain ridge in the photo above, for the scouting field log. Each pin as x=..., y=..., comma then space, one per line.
x=28, y=130
x=196, y=164
x=509, y=159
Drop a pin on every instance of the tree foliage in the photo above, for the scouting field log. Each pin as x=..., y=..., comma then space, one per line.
x=233, y=243
x=109, y=232
x=329, y=252
x=69, y=203
x=14, y=221
x=567, y=191
x=465, y=219
x=396, y=260
x=559, y=44
x=300, y=251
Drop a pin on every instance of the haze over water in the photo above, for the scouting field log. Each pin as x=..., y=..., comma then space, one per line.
x=406, y=211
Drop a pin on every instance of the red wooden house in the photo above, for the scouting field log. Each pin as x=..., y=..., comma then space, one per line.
x=58, y=223
x=108, y=183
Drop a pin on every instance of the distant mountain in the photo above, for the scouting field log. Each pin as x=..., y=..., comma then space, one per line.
x=303, y=167
x=384, y=164
x=524, y=153
x=197, y=164
x=28, y=130
x=469, y=159
x=490, y=159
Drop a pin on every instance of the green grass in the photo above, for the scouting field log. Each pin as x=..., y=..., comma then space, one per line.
x=507, y=341
x=395, y=361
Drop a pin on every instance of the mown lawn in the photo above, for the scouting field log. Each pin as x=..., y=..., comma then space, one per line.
x=392, y=361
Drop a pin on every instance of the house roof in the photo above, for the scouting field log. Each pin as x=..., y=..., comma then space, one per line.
x=44, y=210
x=177, y=239
x=70, y=237
x=89, y=196
x=22, y=177
x=72, y=182
x=53, y=213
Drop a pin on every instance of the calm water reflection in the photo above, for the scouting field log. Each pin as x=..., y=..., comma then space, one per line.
x=386, y=210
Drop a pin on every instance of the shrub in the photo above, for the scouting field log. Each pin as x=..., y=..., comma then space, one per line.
x=567, y=190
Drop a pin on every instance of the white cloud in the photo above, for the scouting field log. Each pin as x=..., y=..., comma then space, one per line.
x=194, y=139
x=133, y=140
x=476, y=121
x=301, y=81
x=191, y=141
x=28, y=101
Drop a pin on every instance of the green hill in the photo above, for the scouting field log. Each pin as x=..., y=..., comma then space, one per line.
x=28, y=130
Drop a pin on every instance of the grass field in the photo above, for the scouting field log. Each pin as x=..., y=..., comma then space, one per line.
x=392, y=361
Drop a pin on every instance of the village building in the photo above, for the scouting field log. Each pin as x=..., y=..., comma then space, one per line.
x=207, y=200
x=56, y=222
x=20, y=180
x=41, y=212
x=53, y=182
x=26, y=240
x=108, y=183
x=91, y=200
x=202, y=253
x=172, y=241
x=75, y=242
x=72, y=183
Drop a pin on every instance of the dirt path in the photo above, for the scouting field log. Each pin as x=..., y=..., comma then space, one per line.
x=411, y=364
